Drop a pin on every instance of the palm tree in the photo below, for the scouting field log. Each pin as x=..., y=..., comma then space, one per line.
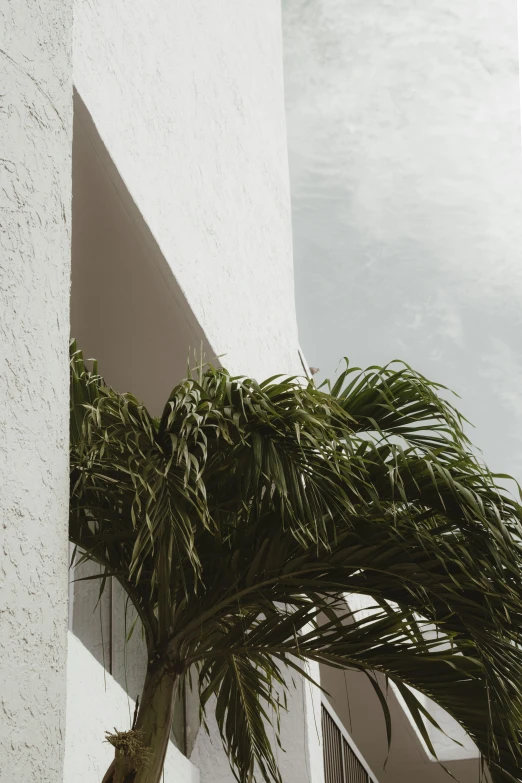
x=238, y=522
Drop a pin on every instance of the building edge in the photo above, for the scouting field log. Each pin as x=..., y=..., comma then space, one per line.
x=35, y=199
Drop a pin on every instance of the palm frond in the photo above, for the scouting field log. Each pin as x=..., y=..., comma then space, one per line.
x=241, y=519
x=395, y=400
x=249, y=692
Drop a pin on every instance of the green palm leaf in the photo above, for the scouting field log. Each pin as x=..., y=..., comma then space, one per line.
x=240, y=521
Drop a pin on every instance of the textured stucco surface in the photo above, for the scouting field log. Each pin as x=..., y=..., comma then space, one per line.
x=35, y=191
x=192, y=114
x=404, y=144
x=95, y=703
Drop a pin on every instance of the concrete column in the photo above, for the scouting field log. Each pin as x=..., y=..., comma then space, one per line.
x=35, y=203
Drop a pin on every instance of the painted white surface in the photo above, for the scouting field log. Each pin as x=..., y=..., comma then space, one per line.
x=192, y=115
x=312, y=716
x=445, y=741
x=35, y=172
x=95, y=703
x=404, y=144
x=301, y=760
x=301, y=734
x=451, y=743
x=519, y=18
x=191, y=111
x=208, y=755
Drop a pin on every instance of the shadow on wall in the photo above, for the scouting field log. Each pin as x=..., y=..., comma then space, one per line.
x=127, y=309
x=357, y=707
x=128, y=312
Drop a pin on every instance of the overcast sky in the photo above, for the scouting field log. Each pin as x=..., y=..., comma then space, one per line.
x=404, y=147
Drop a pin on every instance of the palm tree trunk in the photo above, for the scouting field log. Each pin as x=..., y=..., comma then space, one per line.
x=155, y=722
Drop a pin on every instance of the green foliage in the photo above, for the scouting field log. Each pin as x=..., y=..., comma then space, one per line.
x=239, y=521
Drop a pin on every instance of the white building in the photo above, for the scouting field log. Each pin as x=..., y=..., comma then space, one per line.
x=144, y=157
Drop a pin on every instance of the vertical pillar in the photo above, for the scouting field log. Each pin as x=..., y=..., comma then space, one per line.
x=35, y=202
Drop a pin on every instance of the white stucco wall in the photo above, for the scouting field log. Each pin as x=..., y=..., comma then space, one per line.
x=96, y=703
x=313, y=738
x=192, y=113
x=35, y=188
